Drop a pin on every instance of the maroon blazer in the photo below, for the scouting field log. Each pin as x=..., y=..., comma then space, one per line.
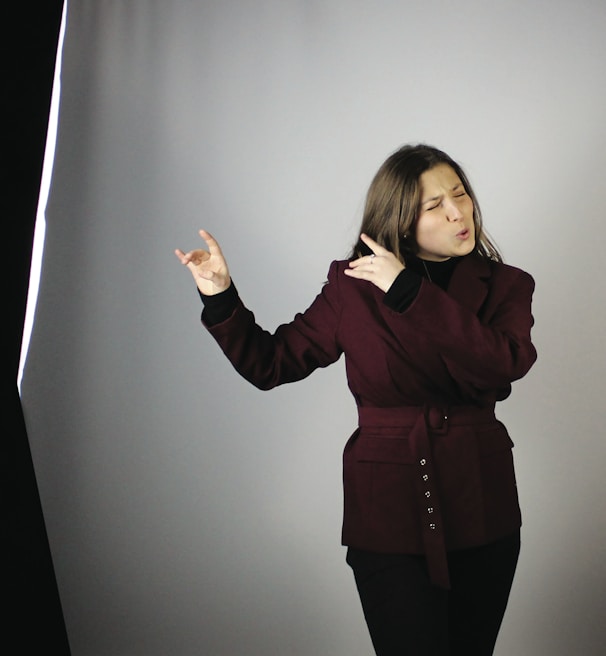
x=429, y=468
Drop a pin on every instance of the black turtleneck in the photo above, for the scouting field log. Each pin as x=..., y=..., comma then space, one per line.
x=405, y=287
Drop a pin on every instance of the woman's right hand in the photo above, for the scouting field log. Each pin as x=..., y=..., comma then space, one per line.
x=208, y=268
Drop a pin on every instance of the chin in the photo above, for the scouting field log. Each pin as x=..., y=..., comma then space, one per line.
x=467, y=248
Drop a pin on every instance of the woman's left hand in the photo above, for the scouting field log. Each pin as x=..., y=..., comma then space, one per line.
x=381, y=268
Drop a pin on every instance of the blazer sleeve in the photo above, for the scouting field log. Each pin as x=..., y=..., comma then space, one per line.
x=290, y=353
x=484, y=350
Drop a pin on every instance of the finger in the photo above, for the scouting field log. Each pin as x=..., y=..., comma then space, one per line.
x=361, y=274
x=211, y=242
x=184, y=258
x=206, y=274
x=196, y=256
x=372, y=244
x=366, y=261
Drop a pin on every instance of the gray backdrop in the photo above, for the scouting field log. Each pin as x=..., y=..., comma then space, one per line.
x=189, y=513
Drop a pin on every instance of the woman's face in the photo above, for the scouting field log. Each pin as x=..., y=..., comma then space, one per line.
x=444, y=226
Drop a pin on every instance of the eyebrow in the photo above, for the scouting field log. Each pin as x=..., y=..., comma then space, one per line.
x=429, y=200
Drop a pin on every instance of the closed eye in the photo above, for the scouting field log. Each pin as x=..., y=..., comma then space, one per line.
x=459, y=194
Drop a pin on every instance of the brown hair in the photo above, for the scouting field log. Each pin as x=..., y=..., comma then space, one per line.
x=393, y=198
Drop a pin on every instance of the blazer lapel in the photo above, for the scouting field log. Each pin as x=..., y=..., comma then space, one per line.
x=469, y=282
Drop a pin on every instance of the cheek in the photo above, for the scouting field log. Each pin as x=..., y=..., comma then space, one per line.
x=430, y=234
x=424, y=228
x=420, y=235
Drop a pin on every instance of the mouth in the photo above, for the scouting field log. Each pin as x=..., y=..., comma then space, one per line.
x=463, y=234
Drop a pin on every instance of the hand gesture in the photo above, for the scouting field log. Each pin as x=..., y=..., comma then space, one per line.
x=208, y=268
x=381, y=268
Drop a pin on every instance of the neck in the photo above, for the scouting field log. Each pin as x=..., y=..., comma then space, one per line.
x=437, y=272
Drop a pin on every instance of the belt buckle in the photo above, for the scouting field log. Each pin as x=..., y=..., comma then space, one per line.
x=436, y=419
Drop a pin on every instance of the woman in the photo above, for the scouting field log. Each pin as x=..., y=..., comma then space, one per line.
x=434, y=328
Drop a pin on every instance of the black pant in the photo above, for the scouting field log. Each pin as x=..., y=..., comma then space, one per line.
x=408, y=616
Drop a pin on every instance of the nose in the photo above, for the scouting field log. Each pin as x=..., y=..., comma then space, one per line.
x=453, y=211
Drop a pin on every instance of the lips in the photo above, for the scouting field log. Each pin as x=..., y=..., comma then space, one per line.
x=462, y=234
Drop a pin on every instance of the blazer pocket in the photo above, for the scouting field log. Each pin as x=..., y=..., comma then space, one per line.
x=379, y=484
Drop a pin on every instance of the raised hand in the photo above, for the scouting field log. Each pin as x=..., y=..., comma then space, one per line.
x=208, y=268
x=381, y=268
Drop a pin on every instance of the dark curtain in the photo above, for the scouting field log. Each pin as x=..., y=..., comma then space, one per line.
x=33, y=617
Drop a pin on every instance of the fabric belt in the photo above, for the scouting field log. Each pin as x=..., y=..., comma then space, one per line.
x=424, y=422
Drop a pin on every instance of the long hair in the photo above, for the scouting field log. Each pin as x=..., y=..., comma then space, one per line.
x=393, y=200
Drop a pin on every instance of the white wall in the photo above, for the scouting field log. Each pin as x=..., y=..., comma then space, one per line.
x=189, y=513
